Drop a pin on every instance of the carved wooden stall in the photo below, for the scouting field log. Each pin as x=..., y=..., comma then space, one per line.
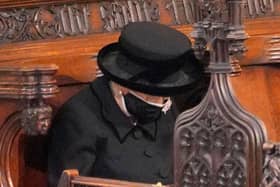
x=34, y=34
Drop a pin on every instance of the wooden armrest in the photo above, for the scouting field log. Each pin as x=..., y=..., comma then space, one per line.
x=70, y=178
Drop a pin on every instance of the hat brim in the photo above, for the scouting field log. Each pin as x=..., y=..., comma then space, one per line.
x=176, y=83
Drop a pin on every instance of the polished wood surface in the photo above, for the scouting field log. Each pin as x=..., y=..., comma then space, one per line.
x=257, y=89
x=24, y=160
x=70, y=53
x=76, y=59
x=73, y=179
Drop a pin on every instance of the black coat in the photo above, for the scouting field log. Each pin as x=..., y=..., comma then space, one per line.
x=91, y=134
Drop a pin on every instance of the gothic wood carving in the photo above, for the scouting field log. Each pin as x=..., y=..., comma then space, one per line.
x=32, y=82
x=41, y=19
x=218, y=143
x=259, y=7
x=271, y=169
x=183, y=11
x=215, y=20
x=30, y=86
x=117, y=14
x=45, y=22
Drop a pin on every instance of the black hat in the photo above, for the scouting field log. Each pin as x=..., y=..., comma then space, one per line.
x=151, y=58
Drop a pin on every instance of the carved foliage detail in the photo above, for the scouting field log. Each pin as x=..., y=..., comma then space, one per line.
x=43, y=22
x=230, y=174
x=217, y=149
x=188, y=11
x=116, y=14
x=184, y=11
x=196, y=173
x=271, y=171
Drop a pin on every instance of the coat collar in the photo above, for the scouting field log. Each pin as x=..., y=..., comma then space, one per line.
x=111, y=112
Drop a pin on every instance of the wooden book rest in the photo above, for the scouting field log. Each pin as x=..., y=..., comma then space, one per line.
x=71, y=178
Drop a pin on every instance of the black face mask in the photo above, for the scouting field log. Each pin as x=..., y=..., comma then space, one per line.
x=141, y=111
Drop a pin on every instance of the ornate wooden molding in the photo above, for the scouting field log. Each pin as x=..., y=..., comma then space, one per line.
x=31, y=86
x=271, y=177
x=218, y=143
x=268, y=54
x=59, y=21
x=214, y=145
x=116, y=14
x=183, y=11
x=28, y=82
x=273, y=50
x=43, y=22
x=40, y=19
x=259, y=7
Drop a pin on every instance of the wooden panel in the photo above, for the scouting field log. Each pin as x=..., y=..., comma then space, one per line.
x=258, y=89
x=24, y=157
x=83, y=17
x=70, y=53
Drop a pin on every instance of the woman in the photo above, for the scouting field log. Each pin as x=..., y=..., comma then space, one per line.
x=121, y=125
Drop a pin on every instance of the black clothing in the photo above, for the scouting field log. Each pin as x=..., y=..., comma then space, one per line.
x=192, y=97
x=91, y=134
x=153, y=42
x=160, y=62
